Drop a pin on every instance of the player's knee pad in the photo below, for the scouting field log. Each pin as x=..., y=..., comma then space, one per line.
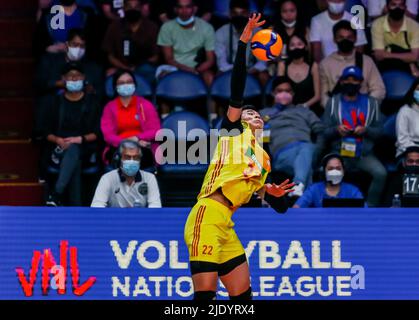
x=204, y=295
x=247, y=295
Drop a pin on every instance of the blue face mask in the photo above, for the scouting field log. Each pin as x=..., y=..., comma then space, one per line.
x=130, y=167
x=126, y=90
x=186, y=22
x=74, y=86
x=416, y=96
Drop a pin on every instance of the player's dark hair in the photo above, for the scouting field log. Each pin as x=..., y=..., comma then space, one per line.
x=76, y=32
x=280, y=80
x=343, y=25
x=242, y=4
x=249, y=107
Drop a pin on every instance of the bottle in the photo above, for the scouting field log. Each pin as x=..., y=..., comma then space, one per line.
x=396, y=201
x=137, y=203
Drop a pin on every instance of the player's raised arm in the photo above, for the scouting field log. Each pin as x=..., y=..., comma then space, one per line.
x=238, y=77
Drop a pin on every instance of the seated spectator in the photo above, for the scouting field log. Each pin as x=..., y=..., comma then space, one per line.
x=72, y=130
x=51, y=37
x=406, y=182
x=44, y=5
x=188, y=43
x=353, y=124
x=48, y=77
x=303, y=74
x=227, y=39
x=333, y=171
x=129, y=117
x=113, y=9
x=332, y=66
x=162, y=10
x=127, y=186
x=292, y=128
x=395, y=39
x=287, y=22
x=407, y=123
x=378, y=8
x=321, y=30
x=130, y=43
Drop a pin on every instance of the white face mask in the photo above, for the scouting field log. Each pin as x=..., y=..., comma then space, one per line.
x=334, y=176
x=336, y=8
x=186, y=22
x=289, y=24
x=75, y=53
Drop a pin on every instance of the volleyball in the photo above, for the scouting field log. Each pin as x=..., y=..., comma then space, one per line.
x=266, y=45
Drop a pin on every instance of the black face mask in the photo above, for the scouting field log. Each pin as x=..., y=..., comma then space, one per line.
x=67, y=3
x=239, y=22
x=350, y=89
x=411, y=169
x=133, y=16
x=396, y=14
x=297, y=53
x=346, y=45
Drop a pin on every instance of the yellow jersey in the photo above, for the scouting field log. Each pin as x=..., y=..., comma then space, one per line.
x=239, y=167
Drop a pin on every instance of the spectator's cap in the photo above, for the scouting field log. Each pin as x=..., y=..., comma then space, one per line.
x=72, y=66
x=352, y=71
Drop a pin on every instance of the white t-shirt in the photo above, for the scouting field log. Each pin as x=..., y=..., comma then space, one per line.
x=321, y=30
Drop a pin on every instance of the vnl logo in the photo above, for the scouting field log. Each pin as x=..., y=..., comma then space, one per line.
x=58, y=271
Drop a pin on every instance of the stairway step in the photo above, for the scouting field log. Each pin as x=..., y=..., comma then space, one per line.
x=16, y=35
x=21, y=194
x=16, y=77
x=19, y=161
x=16, y=118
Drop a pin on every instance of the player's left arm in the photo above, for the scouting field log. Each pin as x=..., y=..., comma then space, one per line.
x=275, y=195
x=239, y=73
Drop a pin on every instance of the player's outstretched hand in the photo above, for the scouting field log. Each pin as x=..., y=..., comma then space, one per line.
x=252, y=24
x=279, y=190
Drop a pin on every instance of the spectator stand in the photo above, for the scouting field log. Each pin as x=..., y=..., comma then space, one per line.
x=180, y=180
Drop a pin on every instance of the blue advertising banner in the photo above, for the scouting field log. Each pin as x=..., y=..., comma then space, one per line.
x=83, y=253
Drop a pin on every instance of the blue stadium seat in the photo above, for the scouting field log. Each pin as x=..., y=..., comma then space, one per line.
x=221, y=87
x=181, y=86
x=397, y=84
x=144, y=89
x=389, y=128
x=193, y=121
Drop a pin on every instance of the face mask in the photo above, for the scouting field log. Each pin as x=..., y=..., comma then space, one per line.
x=75, y=53
x=130, y=167
x=346, y=46
x=416, y=96
x=350, y=89
x=239, y=22
x=297, y=53
x=284, y=98
x=396, y=13
x=289, y=24
x=74, y=86
x=336, y=8
x=334, y=176
x=411, y=169
x=186, y=22
x=132, y=16
x=126, y=90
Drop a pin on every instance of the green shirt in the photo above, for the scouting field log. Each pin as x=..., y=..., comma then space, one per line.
x=187, y=42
